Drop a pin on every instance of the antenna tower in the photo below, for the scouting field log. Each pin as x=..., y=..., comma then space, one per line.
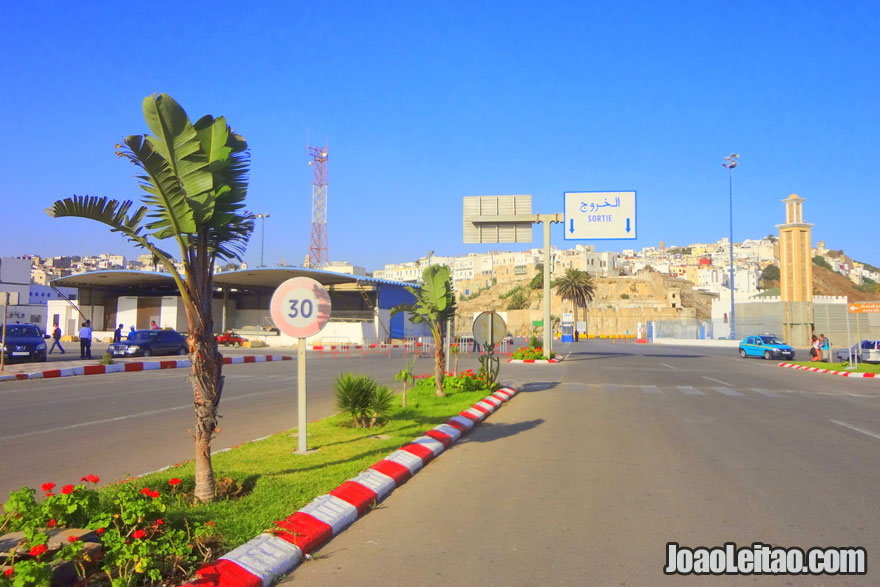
x=318, y=241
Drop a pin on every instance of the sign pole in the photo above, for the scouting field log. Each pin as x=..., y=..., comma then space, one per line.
x=302, y=447
x=5, y=309
x=849, y=340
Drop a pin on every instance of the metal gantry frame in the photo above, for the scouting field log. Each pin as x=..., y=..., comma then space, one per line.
x=318, y=240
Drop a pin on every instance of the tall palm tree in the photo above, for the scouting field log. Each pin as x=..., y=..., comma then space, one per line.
x=195, y=179
x=577, y=287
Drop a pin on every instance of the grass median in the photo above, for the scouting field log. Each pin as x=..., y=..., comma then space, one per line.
x=272, y=482
x=862, y=367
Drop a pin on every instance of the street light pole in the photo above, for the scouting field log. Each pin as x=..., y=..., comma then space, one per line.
x=730, y=162
x=262, y=218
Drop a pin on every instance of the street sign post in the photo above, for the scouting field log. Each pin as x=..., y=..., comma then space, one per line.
x=600, y=215
x=7, y=298
x=489, y=330
x=300, y=307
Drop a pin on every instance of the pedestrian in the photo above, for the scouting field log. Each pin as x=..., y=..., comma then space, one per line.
x=56, y=337
x=131, y=332
x=814, y=349
x=117, y=336
x=85, y=340
x=826, y=348
x=153, y=325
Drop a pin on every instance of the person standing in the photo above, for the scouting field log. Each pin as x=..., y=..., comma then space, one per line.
x=85, y=340
x=153, y=325
x=826, y=347
x=131, y=331
x=814, y=348
x=56, y=338
x=117, y=336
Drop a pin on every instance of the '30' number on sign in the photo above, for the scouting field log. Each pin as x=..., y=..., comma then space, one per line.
x=303, y=309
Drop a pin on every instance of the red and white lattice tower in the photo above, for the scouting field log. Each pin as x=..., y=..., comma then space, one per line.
x=318, y=241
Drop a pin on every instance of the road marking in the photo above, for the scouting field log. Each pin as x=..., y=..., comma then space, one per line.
x=670, y=366
x=651, y=389
x=766, y=392
x=728, y=391
x=689, y=390
x=226, y=399
x=856, y=428
x=718, y=381
x=610, y=388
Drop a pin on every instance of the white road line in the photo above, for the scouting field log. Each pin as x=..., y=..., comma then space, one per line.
x=226, y=399
x=651, y=389
x=856, y=428
x=610, y=388
x=689, y=390
x=718, y=381
x=728, y=391
x=766, y=392
x=670, y=366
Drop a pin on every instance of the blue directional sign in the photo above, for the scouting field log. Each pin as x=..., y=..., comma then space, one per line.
x=600, y=215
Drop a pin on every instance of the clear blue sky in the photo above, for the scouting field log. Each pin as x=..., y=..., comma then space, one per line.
x=423, y=103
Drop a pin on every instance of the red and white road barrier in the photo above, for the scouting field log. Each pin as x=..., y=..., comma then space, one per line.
x=829, y=371
x=129, y=367
x=262, y=560
x=536, y=361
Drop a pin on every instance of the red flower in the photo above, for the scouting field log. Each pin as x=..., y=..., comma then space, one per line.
x=209, y=523
x=52, y=523
x=48, y=486
x=149, y=492
x=67, y=489
x=415, y=376
x=72, y=538
x=49, y=494
x=38, y=550
x=159, y=522
x=99, y=531
x=138, y=534
x=173, y=482
x=8, y=572
x=90, y=478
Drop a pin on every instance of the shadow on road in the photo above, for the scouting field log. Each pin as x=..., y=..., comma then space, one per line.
x=536, y=386
x=489, y=431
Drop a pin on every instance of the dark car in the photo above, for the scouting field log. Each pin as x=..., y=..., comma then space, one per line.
x=146, y=343
x=24, y=342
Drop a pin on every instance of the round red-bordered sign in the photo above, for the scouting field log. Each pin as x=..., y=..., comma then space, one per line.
x=300, y=307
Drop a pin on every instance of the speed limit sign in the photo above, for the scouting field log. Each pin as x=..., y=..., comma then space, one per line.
x=300, y=307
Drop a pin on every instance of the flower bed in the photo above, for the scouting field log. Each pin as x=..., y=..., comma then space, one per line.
x=531, y=354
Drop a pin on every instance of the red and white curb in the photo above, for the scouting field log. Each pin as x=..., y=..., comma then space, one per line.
x=262, y=560
x=536, y=361
x=829, y=371
x=130, y=367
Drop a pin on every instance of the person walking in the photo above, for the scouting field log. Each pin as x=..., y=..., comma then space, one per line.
x=117, y=336
x=56, y=338
x=85, y=340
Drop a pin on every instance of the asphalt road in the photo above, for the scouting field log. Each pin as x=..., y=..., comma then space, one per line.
x=132, y=423
x=584, y=477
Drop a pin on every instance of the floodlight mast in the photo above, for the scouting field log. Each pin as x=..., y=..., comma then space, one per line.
x=318, y=255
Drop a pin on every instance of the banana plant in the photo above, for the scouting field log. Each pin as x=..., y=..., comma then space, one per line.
x=434, y=305
x=195, y=179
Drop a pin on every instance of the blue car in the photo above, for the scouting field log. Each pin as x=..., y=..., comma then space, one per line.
x=765, y=345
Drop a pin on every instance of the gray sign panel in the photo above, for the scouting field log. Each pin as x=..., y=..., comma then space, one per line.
x=476, y=231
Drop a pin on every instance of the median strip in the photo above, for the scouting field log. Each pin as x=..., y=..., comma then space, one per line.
x=131, y=367
x=270, y=555
x=856, y=374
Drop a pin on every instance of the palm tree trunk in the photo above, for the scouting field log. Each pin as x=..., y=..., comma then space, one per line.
x=439, y=359
x=403, y=404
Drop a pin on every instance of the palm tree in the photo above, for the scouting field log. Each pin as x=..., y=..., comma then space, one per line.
x=195, y=177
x=576, y=286
x=434, y=306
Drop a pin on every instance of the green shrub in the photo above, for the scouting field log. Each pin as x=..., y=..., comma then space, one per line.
x=107, y=359
x=535, y=342
x=363, y=400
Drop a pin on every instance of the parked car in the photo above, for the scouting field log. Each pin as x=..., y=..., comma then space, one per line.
x=765, y=345
x=867, y=351
x=146, y=343
x=228, y=338
x=24, y=342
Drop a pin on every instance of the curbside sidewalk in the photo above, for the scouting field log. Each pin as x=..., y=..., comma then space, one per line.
x=829, y=371
x=262, y=560
x=129, y=367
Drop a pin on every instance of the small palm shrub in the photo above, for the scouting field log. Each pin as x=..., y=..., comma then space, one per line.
x=361, y=398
